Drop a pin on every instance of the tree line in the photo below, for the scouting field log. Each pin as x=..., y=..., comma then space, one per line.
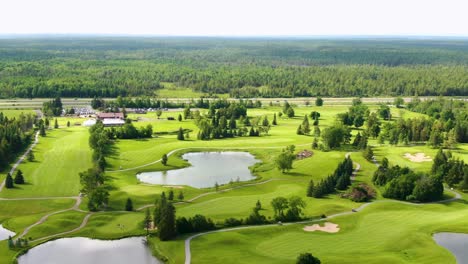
x=339, y=180
x=15, y=136
x=93, y=180
x=404, y=184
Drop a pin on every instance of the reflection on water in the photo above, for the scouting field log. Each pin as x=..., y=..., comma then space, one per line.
x=208, y=168
x=5, y=233
x=80, y=250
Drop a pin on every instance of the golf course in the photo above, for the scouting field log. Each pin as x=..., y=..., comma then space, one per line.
x=51, y=205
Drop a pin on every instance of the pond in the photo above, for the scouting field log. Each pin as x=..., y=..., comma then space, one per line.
x=5, y=233
x=208, y=168
x=80, y=250
x=455, y=243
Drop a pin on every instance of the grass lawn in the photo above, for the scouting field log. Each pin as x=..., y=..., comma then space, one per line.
x=15, y=113
x=10, y=209
x=385, y=232
x=113, y=225
x=382, y=233
x=171, y=90
x=57, y=224
x=59, y=157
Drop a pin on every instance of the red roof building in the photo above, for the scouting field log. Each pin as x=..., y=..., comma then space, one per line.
x=102, y=116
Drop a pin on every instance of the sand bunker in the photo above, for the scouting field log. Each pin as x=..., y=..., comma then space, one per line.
x=418, y=157
x=328, y=227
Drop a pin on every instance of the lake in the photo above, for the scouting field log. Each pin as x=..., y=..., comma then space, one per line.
x=5, y=233
x=455, y=243
x=208, y=168
x=80, y=250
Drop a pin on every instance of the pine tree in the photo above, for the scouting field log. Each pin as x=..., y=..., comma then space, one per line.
x=232, y=122
x=68, y=123
x=368, y=153
x=315, y=144
x=129, y=205
x=170, y=197
x=357, y=139
x=180, y=134
x=160, y=206
x=147, y=221
x=317, y=131
x=265, y=122
x=299, y=130
x=31, y=156
x=290, y=112
x=305, y=126
x=164, y=160
x=180, y=196
x=363, y=142
x=42, y=131
x=11, y=244
x=167, y=225
x=19, y=179
x=258, y=206
x=179, y=118
x=56, y=124
x=342, y=183
x=9, y=182
x=310, y=188
x=274, y=120
x=440, y=162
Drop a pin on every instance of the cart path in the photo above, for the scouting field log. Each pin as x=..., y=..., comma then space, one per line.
x=215, y=192
x=75, y=207
x=82, y=225
x=188, y=256
x=181, y=149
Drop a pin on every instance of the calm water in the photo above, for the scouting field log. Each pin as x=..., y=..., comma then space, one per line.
x=456, y=243
x=80, y=250
x=5, y=233
x=208, y=168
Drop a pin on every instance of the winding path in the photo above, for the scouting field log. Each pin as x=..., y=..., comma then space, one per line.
x=78, y=199
x=181, y=149
x=220, y=191
x=188, y=254
x=83, y=224
x=75, y=207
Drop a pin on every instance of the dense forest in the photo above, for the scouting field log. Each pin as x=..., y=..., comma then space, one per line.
x=15, y=135
x=263, y=67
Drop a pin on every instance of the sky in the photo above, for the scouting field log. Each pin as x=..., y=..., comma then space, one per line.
x=236, y=17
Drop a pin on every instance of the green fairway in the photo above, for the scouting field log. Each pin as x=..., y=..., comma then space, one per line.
x=10, y=209
x=368, y=236
x=59, y=157
x=382, y=233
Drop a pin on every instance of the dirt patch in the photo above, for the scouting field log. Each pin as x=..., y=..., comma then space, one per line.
x=328, y=227
x=417, y=157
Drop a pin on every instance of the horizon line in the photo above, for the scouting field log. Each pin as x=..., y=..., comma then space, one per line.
x=303, y=36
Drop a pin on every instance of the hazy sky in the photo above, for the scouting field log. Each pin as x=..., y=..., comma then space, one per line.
x=236, y=17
